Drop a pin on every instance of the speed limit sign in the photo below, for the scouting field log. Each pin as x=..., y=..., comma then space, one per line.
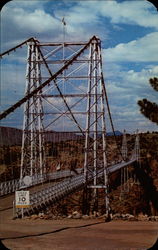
x=22, y=199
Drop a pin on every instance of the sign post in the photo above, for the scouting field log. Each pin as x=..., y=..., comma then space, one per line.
x=22, y=200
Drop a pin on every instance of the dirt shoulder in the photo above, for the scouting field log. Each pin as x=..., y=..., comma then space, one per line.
x=78, y=234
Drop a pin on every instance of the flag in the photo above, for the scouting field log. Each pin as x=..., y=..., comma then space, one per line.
x=63, y=21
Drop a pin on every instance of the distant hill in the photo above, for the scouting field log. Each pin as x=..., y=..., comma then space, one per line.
x=52, y=136
x=13, y=136
x=117, y=132
x=10, y=136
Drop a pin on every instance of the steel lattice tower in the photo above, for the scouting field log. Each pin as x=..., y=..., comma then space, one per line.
x=33, y=153
x=95, y=143
x=71, y=98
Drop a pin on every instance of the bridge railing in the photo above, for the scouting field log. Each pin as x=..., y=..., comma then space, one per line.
x=120, y=165
x=11, y=186
x=53, y=193
x=56, y=190
x=60, y=190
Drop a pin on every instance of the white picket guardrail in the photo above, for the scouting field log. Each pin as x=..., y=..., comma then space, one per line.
x=13, y=185
x=60, y=190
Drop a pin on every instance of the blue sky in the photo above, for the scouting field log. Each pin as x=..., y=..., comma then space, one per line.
x=129, y=34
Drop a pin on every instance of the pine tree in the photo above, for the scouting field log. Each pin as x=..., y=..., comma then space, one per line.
x=147, y=108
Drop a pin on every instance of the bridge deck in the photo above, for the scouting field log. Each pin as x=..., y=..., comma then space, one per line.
x=43, y=194
x=59, y=191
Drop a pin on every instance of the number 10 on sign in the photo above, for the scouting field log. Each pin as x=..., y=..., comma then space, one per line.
x=22, y=199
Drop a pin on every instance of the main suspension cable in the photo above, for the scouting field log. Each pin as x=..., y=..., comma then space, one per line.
x=18, y=46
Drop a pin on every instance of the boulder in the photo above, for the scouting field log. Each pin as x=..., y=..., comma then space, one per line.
x=76, y=215
x=152, y=218
x=69, y=216
x=75, y=212
x=143, y=217
x=95, y=214
x=34, y=217
x=85, y=217
x=131, y=217
x=41, y=215
x=98, y=214
x=116, y=216
x=48, y=217
x=156, y=218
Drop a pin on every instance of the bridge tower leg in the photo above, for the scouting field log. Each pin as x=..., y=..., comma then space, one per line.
x=124, y=146
x=33, y=153
x=137, y=147
x=95, y=137
x=136, y=155
x=125, y=170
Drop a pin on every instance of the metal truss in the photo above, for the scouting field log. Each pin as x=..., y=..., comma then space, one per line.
x=65, y=92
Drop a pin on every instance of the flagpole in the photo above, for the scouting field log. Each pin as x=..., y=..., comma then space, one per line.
x=64, y=28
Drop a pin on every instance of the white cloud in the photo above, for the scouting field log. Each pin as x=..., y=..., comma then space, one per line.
x=127, y=12
x=29, y=18
x=27, y=4
x=23, y=19
x=140, y=78
x=152, y=70
x=140, y=50
x=58, y=103
x=145, y=124
x=13, y=78
x=135, y=12
x=125, y=88
x=134, y=83
x=35, y=21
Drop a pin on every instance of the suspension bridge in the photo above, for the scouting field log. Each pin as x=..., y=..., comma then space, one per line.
x=65, y=94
